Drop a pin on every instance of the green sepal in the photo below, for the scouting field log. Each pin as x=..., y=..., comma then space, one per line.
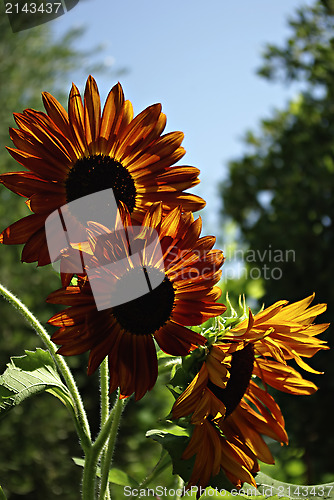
x=231, y=318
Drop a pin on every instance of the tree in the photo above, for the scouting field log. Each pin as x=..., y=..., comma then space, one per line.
x=280, y=193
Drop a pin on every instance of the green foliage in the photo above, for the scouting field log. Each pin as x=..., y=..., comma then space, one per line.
x=29, y=375
x=280, y=195
x=175, y=446
x=117, y=476
x=308, y=54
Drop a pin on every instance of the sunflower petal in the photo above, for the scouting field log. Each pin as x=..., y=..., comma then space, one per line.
x=92, y=115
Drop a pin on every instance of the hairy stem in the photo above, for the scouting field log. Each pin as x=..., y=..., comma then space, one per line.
x=105, y=403
x=104, y=388
x=107, y=434
x=89, y=475
x=118, y=409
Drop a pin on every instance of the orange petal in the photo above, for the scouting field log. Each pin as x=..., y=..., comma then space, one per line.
x=92, y=115
x=21, y=231
x=76, y=116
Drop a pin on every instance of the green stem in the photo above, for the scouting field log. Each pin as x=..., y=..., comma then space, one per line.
x=89, y=475
x=108, y=431
x=92, y=458
x=118, y=409
x=104, y=384
x=81, y=421
x=107, y=495
x=104, y=387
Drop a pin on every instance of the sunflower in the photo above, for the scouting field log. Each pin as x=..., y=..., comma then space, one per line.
x=184, y=268
x=74, y=154
x=229, y=395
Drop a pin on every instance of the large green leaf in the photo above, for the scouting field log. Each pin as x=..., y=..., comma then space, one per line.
x=31, y=374
x=269, y=487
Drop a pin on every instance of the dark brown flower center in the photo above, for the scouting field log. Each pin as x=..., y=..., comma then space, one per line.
x=240, y=375
x=98, y=172
x=149, y=312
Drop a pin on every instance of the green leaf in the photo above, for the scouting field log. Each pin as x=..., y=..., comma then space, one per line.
x=175, y=446
x=179, y=379
x=270, y=487
x=28, y=375
x=81, y=463
x=115, y=476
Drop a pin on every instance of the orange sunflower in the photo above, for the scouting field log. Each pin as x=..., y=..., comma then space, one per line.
x=74, y=154
x=185, y=269
x=228, y=399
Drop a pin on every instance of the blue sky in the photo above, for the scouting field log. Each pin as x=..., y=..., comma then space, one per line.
x=199, y=60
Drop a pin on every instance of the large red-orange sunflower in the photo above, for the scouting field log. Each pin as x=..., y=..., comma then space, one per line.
x=229, y=400
x=74, y=154
x=187, y=269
